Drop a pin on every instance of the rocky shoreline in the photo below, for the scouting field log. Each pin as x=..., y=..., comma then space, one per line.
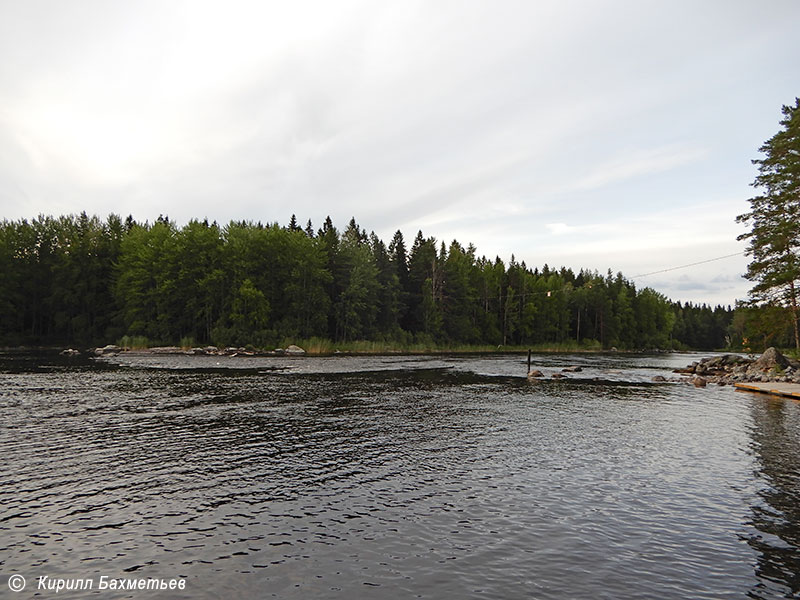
x=728, y=369
x=112, y=349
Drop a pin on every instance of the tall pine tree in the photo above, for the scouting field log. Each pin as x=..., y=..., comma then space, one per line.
x=774, y=239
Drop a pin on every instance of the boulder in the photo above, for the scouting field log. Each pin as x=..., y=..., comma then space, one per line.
x=769, y=362
x=557, y=375
x=294, y=350
x=535, y=373
x=70, y=352
x=699, y=382
x=659, y=378
x=108, y=349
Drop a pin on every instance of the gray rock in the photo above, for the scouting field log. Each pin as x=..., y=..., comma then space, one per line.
x=294, y=350
x=108, y=349
x=771, y=360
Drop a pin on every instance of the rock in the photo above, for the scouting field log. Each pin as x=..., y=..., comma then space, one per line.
x=70, y=352
x=535, y=373
x=211, y=350
x=659, y=378
x=557, y=376
x=572, y=369
x=770, y=361
x=196, y=351
x=294, y=350
x=108, y=349
x=699, y=382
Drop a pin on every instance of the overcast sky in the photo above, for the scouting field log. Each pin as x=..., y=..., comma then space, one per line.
x=579, y=133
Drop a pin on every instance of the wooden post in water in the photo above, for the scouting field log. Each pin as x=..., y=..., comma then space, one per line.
x=529, y=361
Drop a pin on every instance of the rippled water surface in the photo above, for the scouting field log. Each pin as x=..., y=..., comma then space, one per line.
x=397, y=477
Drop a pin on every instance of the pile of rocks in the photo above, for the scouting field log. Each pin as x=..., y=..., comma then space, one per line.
x=772, y=366
x=206, y=351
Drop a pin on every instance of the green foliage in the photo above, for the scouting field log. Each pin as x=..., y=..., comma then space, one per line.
x=774, y=218
x=134, y=342
x=78, y=279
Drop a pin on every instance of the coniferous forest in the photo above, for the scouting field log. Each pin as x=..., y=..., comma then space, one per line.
x=81, y=280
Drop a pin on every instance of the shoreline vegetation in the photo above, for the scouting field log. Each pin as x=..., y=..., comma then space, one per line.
x=81, y=281
x=324, y=347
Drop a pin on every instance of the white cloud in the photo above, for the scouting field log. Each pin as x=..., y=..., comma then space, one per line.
x=640, y=163
x=564, y=132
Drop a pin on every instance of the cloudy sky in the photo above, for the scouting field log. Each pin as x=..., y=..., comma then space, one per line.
x=613, y=134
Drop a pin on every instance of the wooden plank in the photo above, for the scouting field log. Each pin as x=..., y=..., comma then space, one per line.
x=787, y=390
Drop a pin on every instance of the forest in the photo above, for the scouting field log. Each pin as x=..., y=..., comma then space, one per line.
x=81, y=280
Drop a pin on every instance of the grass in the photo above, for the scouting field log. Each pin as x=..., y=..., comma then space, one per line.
x=321, y=346
x=134, y=342
x=318, y=346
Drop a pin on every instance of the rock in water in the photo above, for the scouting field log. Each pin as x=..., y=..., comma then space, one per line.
x=295, y=350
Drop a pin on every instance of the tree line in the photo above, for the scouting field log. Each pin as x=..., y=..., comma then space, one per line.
x=78, y=279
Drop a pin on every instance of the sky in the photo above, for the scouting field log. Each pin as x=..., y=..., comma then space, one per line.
x=598, y=135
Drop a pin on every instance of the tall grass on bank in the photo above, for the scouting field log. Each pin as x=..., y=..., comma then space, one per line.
x=321, y=346
x=318, y=346
x=134, y=342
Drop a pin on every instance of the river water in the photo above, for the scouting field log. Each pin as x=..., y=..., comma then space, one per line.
x=396, y=477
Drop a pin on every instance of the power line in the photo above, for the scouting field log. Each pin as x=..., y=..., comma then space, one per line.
x=702, y=262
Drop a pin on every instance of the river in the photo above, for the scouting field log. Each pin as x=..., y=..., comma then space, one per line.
x=396, y=477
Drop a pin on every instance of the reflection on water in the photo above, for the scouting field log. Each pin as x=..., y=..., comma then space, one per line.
x=393, y=477
x=776, y=518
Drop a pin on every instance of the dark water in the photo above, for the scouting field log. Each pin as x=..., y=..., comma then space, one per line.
x=399, y=477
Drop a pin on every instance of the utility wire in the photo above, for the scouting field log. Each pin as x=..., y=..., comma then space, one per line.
x=564, y=288
x=702, y=262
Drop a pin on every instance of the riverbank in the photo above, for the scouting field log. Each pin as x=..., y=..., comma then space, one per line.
x=729, y=369
x=321, y=347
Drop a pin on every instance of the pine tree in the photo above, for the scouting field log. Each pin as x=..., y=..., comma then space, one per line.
x=774, y=240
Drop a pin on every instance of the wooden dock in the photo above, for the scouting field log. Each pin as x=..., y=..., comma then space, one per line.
x=786, y=390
